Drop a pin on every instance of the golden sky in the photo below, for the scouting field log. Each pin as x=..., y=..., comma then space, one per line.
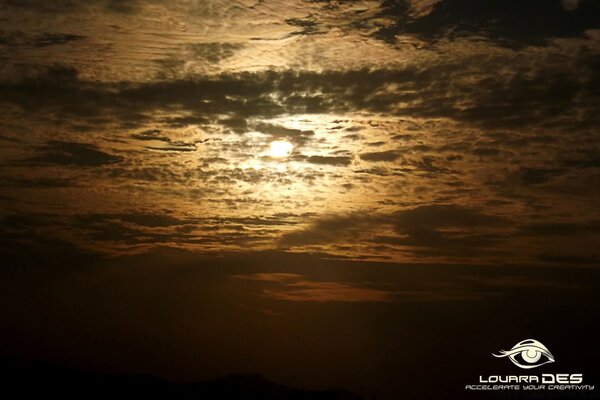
x=129, y=125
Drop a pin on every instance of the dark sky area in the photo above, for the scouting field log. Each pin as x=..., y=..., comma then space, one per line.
x=368, y=195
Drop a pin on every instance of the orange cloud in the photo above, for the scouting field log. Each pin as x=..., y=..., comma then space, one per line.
x=293, y=288
x=328, y=291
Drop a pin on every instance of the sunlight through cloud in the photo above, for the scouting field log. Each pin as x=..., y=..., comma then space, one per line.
x=280, y=149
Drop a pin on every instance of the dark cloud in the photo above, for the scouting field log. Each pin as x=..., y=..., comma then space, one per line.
x=329, y=229
x=66, y=6
x=214, y=52
x=561, y=228
x=519, y=281
x=275, y=220
x=17, y=38
x=427, y=227
x=446, y=229
x=151, y=134
x=150, y=229
x=307, y=26
x=41, y=5
x=524, y=98
x=329, y=160
x=183, y=121
x=297, y=136
x=536, y=176
x=26, y=246
x=446, y=215
x=502, y=21
x=237, y=125
x=121, y=6
x=176, y=147
x=353, y=136
x=588, y=158
x=71, y=153
x=169, y=144
x=487, y=152
x=38, y=183
x=568, y=260
x=150, y=220
x=389, y=155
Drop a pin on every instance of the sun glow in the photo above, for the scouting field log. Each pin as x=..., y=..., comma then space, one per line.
x=280, y=149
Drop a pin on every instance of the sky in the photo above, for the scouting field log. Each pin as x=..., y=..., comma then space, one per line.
x=335, y=181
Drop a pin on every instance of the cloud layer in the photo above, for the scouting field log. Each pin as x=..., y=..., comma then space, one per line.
x=423, y=130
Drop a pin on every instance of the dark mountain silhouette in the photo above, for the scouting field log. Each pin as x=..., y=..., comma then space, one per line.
x=31, y=378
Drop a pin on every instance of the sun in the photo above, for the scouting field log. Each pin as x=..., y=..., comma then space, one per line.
x=280, y=149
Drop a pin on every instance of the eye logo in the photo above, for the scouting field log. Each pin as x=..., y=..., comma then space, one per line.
x=527, y=354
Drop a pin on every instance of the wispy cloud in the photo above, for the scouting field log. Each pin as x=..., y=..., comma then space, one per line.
x=296, y=288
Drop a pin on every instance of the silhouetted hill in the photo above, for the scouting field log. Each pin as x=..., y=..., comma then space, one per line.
x=29, y=378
